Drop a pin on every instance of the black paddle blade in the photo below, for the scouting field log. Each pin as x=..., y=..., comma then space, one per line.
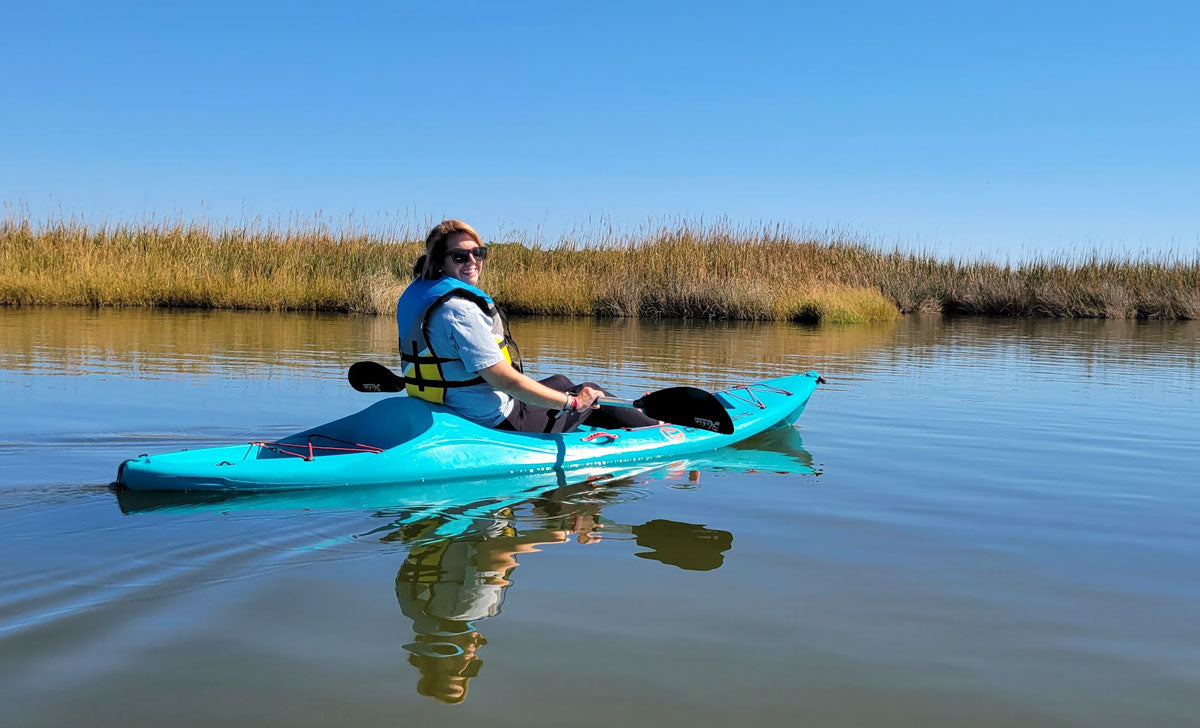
x=687, y=406
x=368, y=376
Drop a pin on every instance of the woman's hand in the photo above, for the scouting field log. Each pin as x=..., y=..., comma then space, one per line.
x=503, y=377
x=586, y=399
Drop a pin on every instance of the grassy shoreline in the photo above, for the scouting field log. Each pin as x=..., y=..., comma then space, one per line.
x=686, y=271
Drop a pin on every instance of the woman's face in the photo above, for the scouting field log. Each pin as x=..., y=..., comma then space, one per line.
x=461, y=245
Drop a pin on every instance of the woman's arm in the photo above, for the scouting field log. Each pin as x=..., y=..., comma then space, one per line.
x=472, y=336
x=503, y=377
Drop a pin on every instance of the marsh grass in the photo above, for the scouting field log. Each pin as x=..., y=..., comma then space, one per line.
x=682, y=270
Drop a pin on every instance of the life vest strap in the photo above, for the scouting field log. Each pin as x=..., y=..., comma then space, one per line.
x=442, y=384
x=417, y=359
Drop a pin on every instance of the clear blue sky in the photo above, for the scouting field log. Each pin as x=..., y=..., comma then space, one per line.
x=956, y=126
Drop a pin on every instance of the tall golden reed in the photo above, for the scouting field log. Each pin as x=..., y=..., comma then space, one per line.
x=679, y=270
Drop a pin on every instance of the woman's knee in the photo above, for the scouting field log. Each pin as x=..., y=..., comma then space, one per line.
x=557, y=381
x=593, y=385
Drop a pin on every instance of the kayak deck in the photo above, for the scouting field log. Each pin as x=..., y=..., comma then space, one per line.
x=405, y=440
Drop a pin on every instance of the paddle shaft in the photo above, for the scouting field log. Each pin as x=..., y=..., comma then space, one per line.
x=614, y=402
x=686, y=406
x=373, y=377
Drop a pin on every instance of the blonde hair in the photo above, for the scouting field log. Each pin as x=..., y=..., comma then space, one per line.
x=429, y=266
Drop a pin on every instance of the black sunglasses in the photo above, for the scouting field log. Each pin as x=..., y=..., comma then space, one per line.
x=462, y=256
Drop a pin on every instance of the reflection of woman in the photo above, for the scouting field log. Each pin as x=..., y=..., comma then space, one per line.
x=445, y=587
x=444, y=677
x=457, y=352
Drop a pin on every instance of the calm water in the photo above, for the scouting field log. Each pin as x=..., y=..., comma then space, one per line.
x=976, y=522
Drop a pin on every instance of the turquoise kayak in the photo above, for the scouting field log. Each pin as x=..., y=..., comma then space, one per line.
x=778, y=451
x=402, y=440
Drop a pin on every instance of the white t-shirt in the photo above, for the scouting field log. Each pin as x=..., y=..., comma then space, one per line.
x=458, y=328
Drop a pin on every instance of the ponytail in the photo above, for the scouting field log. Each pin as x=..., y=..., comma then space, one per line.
x=418, y=270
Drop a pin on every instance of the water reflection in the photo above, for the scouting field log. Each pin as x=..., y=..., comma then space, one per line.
x=152, y=344
x=449, y=586
x=463, y=540
x=780, y=451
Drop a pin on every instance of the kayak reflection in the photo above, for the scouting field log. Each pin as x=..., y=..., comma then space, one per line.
x=780, y=450
x=448, y=586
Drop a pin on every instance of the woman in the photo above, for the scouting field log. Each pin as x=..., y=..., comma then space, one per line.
x=456, y=349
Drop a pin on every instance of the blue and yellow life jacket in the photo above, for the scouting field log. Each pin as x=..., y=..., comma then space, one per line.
x=424, y=376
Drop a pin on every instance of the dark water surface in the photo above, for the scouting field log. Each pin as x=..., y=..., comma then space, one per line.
x=976, y=522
